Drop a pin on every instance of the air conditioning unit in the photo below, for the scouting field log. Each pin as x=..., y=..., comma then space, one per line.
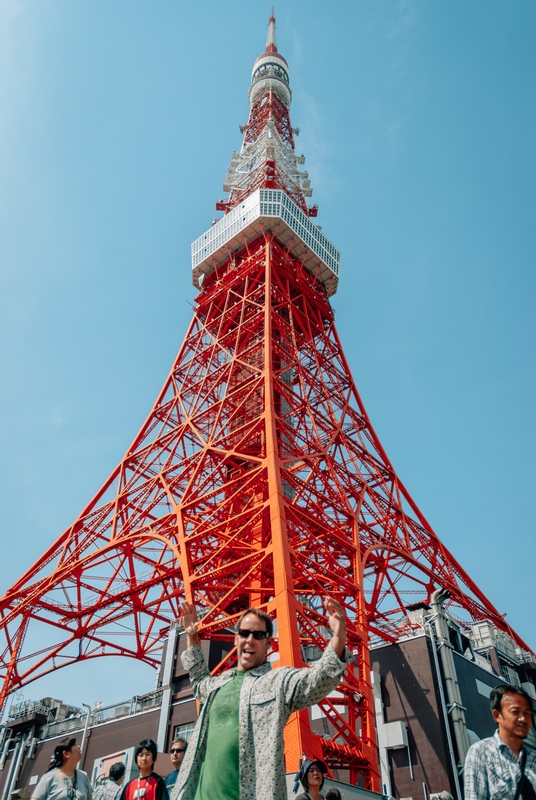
x=530, y=689
x=510, y=675
x=392, y=735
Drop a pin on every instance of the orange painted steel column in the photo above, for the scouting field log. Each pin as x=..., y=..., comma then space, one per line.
x=368, y=721
x=298, y=736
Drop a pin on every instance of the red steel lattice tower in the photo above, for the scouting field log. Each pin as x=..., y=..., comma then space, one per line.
x=257, y=477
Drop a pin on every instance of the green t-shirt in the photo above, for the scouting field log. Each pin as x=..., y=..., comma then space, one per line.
x=219, y=778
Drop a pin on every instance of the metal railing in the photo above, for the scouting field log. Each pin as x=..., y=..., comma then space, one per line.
x=126, y=708
x=28, y=708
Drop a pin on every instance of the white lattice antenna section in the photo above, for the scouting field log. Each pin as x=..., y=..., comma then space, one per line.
x=245, y=165
x=263, y=210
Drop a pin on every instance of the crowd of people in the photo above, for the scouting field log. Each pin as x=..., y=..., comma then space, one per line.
x=236, y=749
x=64, y=781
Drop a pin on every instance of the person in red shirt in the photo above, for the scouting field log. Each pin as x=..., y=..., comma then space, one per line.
x=148, y=785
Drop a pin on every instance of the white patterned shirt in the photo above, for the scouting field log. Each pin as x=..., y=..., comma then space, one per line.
x=109, y=790
x=492, y=771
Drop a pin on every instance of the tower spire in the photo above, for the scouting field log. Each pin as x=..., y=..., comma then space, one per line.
x=271, y=44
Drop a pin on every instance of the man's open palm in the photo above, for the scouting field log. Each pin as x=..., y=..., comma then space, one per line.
x=337, y=623
x=190, y=620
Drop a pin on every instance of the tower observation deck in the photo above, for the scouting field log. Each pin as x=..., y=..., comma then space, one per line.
x=257, y=478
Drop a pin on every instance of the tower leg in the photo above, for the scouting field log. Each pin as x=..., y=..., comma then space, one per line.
x=298, y=736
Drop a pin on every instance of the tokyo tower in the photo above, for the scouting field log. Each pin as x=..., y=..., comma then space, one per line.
x=257, y=478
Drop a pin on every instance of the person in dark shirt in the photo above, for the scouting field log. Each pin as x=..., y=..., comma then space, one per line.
x=176, y=753
x=148, y=785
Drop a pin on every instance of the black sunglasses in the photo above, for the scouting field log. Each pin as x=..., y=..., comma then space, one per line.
x=178, y=750
x=244, y=633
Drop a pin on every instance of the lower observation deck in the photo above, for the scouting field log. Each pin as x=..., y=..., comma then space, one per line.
x=268, y=210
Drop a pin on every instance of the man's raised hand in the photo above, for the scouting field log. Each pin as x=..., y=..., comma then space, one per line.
x=190, y=622
x=337, y=623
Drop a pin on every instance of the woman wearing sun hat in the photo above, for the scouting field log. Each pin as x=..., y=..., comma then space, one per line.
x=311, y=777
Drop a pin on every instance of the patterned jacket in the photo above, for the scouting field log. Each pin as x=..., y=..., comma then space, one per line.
x=267, y=699
x=492, y=771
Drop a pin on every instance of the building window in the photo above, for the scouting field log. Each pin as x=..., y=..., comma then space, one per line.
x=183, y=730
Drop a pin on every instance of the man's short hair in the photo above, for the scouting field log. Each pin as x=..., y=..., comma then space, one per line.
x=146, y=744
x=117, y=771
x=260, y=615
x=497, y=694
x=182, y=740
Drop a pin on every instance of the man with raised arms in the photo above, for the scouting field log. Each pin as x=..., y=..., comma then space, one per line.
x=236, y=750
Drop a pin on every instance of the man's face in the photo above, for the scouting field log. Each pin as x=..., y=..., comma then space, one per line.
x=515, y=716
x=252, y=652
x=177, y=754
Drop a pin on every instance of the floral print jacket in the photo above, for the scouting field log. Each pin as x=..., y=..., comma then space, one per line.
x=267, y=699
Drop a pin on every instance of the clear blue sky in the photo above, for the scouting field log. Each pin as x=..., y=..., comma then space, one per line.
x=418, y=123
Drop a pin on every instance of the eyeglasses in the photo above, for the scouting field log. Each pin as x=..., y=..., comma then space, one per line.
x=178, y=750
x=259, y=635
